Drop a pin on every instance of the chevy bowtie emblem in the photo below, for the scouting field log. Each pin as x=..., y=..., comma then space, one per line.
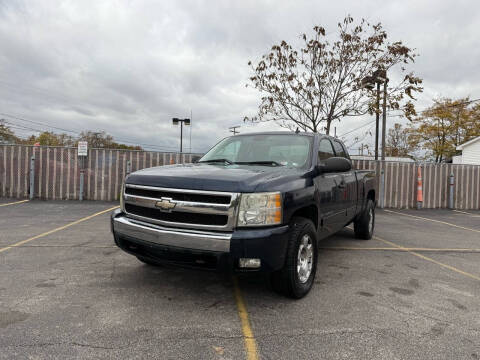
x=165, y=204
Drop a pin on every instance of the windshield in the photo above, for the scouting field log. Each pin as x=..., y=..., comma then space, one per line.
x=274, y=150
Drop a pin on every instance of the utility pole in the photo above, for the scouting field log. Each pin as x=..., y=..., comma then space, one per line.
x=384, y=117
x=233, y=130
x=175, y=121
x=378, y=77
x=377, y=120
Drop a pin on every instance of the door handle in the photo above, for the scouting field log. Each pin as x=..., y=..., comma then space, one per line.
x=342, y=185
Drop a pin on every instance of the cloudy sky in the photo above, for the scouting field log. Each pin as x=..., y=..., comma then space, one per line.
x=128, y=67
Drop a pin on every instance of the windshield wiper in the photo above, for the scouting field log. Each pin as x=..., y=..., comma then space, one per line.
x=261, y=162
x=217, y=160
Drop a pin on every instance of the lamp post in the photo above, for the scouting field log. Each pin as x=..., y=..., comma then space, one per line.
x=381, y=77
x=175, y=121
x=378, y=77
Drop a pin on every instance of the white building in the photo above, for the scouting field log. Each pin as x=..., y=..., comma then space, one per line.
x=470, y=152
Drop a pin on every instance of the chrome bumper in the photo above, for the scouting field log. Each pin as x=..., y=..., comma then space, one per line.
x=194, y=240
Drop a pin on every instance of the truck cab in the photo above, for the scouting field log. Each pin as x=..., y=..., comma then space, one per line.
x=256, y=202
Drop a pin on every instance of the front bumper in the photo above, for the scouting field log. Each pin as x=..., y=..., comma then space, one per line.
x=196, y=248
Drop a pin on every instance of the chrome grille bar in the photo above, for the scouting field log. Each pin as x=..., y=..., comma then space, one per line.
x=192, y=207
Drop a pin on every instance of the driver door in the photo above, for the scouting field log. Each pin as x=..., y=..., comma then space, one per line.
x=329, y=193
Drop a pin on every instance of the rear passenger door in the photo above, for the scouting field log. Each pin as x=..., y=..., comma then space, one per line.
x=348, y=184
x=328, y=192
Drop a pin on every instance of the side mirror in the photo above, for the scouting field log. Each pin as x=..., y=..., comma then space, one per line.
x=335, y=164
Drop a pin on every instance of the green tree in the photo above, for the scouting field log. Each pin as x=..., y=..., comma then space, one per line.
x=101, y=139
x=7, y=136
x=49, y=138
x=398, y=142
x=445, y=125
x=320, y=82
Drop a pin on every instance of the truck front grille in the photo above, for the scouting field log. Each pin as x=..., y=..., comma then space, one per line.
x=177, y=217
x=184, y=208
x=210, y=199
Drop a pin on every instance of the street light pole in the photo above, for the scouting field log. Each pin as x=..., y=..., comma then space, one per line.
x=377, y=122
x=384, y=118
x=181, y=136
x=379, y=76
x=175, y=121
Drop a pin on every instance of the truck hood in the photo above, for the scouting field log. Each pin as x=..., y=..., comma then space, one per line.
x=216, y=177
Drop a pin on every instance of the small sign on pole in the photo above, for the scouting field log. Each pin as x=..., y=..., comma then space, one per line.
x=82, y=148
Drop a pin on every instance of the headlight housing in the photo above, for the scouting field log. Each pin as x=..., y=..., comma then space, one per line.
x=260, y=209
x=122, y=197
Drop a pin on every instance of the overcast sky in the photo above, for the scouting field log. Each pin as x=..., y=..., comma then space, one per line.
x=128, y=67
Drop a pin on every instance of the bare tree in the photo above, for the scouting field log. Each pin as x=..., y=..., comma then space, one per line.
x=398, y=142
x=321, y=82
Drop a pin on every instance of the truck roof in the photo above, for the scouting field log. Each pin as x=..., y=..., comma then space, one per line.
x=279, y=133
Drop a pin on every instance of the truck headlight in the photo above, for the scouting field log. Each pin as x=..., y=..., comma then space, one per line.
x=122, y=198
x=259, y=209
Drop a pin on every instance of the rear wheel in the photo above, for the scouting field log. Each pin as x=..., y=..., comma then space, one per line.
x=364, y=225
x=297, y=276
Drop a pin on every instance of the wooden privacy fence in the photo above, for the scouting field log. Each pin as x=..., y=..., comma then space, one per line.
x=57, y=175
x=400, y=179
x=57, y=171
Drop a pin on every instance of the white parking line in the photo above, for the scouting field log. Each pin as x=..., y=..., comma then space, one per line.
x=433, y=220
x=467, y=213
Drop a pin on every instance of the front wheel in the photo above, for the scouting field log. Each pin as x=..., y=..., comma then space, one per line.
x=365, y=223
x=297, y=276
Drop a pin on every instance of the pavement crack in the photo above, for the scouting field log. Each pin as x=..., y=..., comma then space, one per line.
x=114, y=269
x=99, y=346
x=320, y=332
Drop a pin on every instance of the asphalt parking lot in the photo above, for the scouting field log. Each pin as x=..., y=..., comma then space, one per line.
x=67, y=292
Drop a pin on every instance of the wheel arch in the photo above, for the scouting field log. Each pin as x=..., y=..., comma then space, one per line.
x=309, y=212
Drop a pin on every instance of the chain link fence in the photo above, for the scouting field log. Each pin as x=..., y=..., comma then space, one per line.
x=57, y=174
x=58, y=171
x=400, y=184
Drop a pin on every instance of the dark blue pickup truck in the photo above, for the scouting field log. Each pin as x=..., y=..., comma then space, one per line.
x=254, y=202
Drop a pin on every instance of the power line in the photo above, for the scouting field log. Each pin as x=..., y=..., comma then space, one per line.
x=445, y=106
x=38, y=123
x=358, y=128
x=159, y=147
x=420, y=111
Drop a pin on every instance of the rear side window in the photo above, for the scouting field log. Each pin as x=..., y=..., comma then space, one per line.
x=325, y=150
x=340, y=150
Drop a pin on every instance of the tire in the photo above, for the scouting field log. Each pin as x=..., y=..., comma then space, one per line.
x=148, y=261
x=294, y=279
x=364, y=225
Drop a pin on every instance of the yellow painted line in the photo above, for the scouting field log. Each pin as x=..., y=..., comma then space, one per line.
x=429, y=259
x=13, y=203
x=70, y=246
x=56, y=229
x=437, y=221
x=400, y=249
x=249, y=339
x=464, y=212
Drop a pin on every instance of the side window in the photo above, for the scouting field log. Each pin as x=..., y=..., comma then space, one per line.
x=340, y=150
x=325, y=150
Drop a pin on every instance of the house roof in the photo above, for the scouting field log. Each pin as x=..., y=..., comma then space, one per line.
x=470, y=142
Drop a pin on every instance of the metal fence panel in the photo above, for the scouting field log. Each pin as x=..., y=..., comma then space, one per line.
x=57, y=170
x=57, y=175
x=401, y=184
